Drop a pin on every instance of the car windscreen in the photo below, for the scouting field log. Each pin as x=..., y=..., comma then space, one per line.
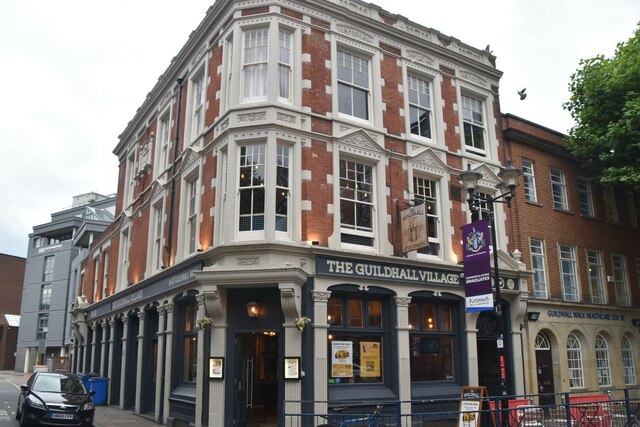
x=54, y=384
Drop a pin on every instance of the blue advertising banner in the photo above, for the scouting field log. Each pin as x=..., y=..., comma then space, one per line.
x=477, y=266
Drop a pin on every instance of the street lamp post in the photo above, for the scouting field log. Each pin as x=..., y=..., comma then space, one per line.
x=507, y=187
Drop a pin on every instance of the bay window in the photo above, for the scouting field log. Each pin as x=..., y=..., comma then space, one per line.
x=255, y=63
x=252, y=187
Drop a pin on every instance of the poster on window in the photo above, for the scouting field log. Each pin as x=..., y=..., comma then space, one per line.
x=477, y=266
x=342, y=359
x=369, y=359
x=414, y=228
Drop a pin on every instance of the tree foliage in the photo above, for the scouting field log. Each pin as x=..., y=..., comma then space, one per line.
x=605, y=105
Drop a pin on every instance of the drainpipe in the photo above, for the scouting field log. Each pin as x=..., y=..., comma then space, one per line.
x=169, y=246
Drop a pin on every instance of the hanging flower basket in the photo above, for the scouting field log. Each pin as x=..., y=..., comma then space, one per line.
x=301, y=322
x=205, y=323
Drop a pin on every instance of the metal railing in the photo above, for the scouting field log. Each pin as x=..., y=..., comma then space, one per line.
x=610, y=408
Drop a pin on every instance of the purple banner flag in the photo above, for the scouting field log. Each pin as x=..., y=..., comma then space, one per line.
x=477, y=266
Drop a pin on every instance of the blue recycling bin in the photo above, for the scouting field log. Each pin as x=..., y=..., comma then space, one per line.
x=85, y=380
x=99, y=385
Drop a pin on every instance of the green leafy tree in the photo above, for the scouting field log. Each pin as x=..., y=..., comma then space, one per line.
x=605, y=104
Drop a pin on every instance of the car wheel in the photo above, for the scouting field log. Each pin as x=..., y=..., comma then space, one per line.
x=23, y=420
x=18, y=414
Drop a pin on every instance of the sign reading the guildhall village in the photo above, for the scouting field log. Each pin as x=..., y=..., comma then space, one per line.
x=372, y=270
x=477, y=266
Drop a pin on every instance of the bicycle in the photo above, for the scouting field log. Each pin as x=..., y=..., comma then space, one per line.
x=367, y=420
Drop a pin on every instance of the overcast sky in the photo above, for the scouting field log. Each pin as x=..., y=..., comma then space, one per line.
x=74, y=73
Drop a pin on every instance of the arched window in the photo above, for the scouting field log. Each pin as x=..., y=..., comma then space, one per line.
x=574, y=360
x=627, y=361
x=542, y=342
x=603, y=367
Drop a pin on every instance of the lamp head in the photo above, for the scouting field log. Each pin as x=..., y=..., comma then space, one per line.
x=470, y=180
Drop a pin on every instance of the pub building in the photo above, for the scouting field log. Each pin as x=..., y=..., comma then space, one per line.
x=264, y=248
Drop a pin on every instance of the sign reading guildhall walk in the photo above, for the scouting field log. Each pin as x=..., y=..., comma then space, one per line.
x=372, y=270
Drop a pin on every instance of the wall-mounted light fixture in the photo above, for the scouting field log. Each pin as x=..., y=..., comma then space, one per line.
x=533, y=316
x=636, y=322
x=315, y=243
x=253, y=309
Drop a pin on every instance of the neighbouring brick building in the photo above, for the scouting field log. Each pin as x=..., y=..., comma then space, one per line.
x=11, y=279
x=257, y=256
x=580, y=239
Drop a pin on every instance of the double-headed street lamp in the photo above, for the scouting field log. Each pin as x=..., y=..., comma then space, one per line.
x=507, y=187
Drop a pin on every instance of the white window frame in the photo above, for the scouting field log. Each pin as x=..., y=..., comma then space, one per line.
x=228, y=199
x=574, y=362
x=286, y=46
x=255, y=157
x=603, y=365
x=96, y=275
x=105, y=271
x=124, y=257
x=628, y=364
x=259, y=65
x=197, y=102
x=191, y=211
x=620, y=279
x=343, y=53
x=355, y=231
x=539, y=268
x=559, y=189
x=130, y=173
x=275, y=60
x=156, y=234
x=163, y=141
x=585, y=197
x=433, y=217
x=283, y=189
x=595, y=274
x=473, y=104
x=529, y=181
x=568, y=266
x=422, y=101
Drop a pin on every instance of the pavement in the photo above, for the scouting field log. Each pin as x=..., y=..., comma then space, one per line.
x=106, y=416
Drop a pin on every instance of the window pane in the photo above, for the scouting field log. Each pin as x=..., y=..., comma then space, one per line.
x=414, y=315
x=431, y=358
x=334, y=311
x=374, y=312
x=429, y=317
x=446, y=323
x=354, y=313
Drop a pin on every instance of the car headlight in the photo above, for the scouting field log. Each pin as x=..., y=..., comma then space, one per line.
x=87, y=406
x=35, y=402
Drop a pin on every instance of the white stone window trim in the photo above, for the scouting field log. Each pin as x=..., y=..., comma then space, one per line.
x=374, y=57
x=227, y=198
x=490, y=151
x=444, y=205
x=161, y=158
x=192, y=173
x=198, y=75
x=232, y=81
x=156, y=203
x=379, y=217
x=437, y=119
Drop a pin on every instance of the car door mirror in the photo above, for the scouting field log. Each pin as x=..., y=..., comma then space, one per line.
x=92, y=393
x=24, y=387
